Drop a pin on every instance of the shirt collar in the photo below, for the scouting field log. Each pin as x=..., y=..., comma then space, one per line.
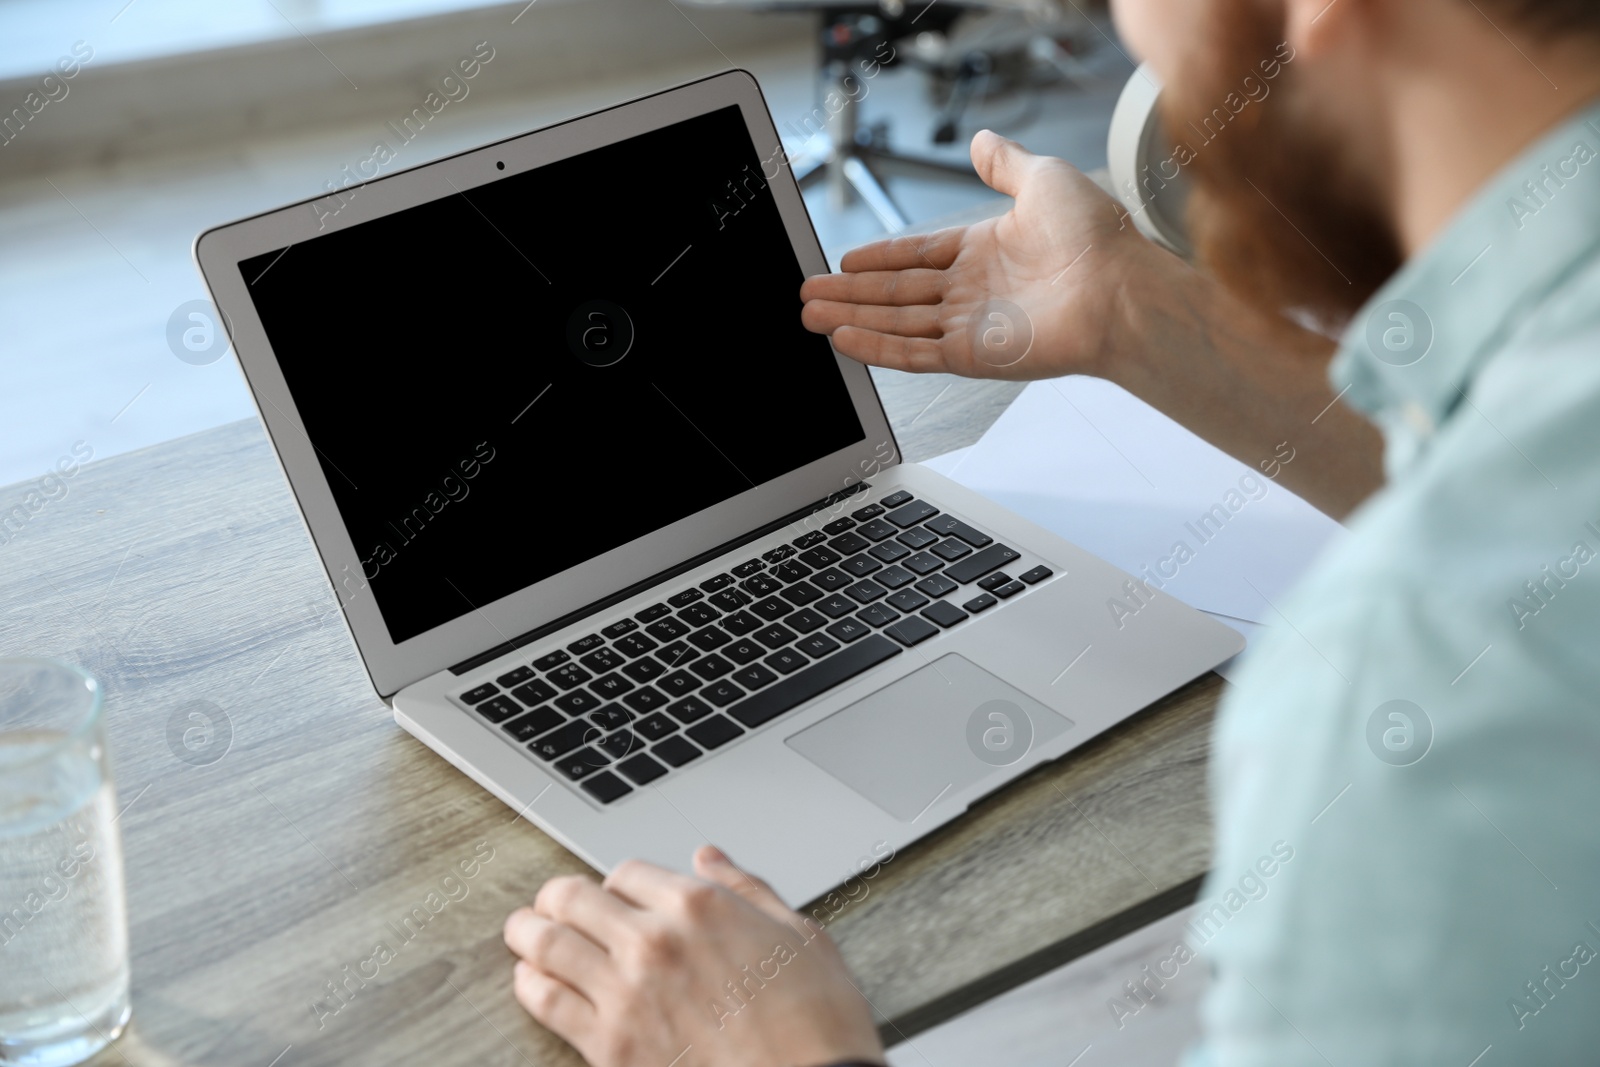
x=1413, y=349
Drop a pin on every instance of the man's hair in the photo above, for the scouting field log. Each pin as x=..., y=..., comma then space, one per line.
x=1547, y=18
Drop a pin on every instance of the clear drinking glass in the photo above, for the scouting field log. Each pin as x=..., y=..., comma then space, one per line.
x=63, y=911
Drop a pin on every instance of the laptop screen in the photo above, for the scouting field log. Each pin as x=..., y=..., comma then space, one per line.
x=503, y=384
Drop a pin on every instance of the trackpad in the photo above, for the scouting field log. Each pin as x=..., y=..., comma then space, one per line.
x=939, y=729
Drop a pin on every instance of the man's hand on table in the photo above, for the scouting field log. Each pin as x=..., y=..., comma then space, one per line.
x=1096, y=297
x=637, y=969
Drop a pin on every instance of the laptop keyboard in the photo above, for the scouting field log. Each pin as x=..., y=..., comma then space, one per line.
x=649, y=693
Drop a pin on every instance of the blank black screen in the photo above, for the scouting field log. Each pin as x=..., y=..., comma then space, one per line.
x=456, y=364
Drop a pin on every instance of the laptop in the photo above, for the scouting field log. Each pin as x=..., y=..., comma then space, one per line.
x=623, y=542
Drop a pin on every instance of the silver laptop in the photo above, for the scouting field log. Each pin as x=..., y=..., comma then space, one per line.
x=623, y=542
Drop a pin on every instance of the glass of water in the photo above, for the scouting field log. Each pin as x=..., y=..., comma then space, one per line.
x=63, y=912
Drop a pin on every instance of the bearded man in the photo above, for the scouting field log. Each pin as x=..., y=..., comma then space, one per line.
x=1421, y=735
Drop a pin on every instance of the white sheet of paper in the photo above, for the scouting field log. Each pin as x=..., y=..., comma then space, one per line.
x=1101, y=468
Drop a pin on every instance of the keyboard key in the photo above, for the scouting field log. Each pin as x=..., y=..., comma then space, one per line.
x=944, y=613
x=611, y=717
x=792, y=571
x=620, y=744
x=860, y=566
x=712, y=585
x=677, y=654
x=936, y=586
x=836, y=606
x=1037, y=575
x=950, y=526
x=877, y=530
x=889, y=551
x=981, y=563
x=865, y=592
x=831, y=580
x=838, y=526
x=877, y=615
x=779, y=554
x=634, y=645
x=610, y=686
x=785, y=661
x=995, y=580
x=774, y=636
x=921, y=563
x=894, y=500
x=714, y=732
x=516, y=677
x=712, y=667
x=817, y=645
x=586, y=644
x=678, y=683
x=602, y=659
x=951, y=550
x=645, y=699
x=801, y=593
x=755, y=676
x=810, y=539
x=527, y=727
x=676, y=751
x=580, y=763
x=606, y=787
x=917, y=537
x=689, y=709
x=871, y=511
x=740, y=623
x=848, y=630
x=698, y=614
x=912, y=630
x=907, y=600
x=849, y=543
x=641, y=768
x=911, y=513
x=643, y=670
x=709, y=638
x=820, y=557
x=804, y=621
x=650, y=614
x=568, y=675
x=1010, y=589
x=560, y=742
x=894, y=577
x=730, y=599
x=552, y=661
x=743, y=651
x=577, y=702
x=772, y=608
x=747, y=568
x=684, y=598
x=761, y=585
x=721, y=694
x=535, y=692
x=801, y=686
x=483, y=692
x=618, y=628
x=654, y=727
x=981, y=602
x=666, y=629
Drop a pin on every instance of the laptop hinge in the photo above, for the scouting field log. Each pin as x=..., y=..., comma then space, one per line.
x=541, y=632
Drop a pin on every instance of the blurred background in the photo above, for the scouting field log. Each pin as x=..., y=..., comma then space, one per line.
x=128, y=126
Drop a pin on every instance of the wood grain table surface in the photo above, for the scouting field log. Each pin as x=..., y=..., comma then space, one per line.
x=280, y=845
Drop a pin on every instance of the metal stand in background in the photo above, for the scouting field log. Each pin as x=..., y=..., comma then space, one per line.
x=858, y=159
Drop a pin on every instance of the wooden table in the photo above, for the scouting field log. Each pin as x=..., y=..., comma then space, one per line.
x=307, y=822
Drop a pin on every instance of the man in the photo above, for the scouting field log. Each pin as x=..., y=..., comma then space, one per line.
x=1406, y=773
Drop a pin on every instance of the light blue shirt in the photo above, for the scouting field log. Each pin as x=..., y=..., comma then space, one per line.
x=1419, y=733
